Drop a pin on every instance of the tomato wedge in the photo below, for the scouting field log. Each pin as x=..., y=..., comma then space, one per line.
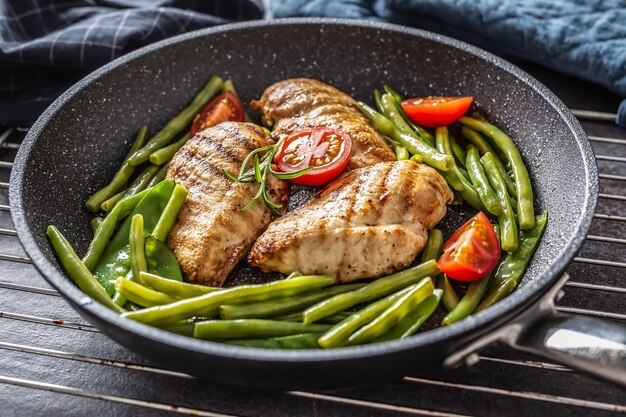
x=326, y=150
x=436, y=111
x=223, y=108
x=472, y=251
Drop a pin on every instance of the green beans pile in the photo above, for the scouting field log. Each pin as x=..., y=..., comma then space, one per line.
x=140, y=207
x=489, y=175
x=129, y=269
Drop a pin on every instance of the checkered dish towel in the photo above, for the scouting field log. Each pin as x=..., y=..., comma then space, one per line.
x=47, y=45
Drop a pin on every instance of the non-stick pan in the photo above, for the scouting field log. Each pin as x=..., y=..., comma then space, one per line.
x=76, y=145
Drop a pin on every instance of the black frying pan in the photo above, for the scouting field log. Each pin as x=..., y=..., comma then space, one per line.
x=80, y=140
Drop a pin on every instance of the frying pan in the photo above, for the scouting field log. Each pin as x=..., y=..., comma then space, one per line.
x=77, y=144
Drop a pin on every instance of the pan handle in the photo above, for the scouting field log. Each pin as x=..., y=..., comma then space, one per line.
x=592, y=345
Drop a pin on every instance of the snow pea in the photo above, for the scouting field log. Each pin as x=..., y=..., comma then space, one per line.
x=161, y=260
x=115, y=261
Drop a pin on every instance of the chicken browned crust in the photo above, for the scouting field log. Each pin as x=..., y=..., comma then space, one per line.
x=212, y=233
x=300, y=103
x=367, y=223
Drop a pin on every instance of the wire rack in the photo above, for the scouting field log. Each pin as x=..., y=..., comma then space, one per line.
x=52, y=362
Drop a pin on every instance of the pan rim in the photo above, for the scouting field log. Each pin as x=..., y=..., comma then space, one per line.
x=467, y=329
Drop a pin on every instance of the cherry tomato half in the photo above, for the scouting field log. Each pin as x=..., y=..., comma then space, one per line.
x=436, y=111
x=223, y=108
x=326, y=150
x=472, y=251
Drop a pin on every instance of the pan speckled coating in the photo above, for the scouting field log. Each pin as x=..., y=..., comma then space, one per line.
x=77, y=144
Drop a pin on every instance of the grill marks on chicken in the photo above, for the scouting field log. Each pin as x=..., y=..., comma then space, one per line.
x=300, y=103
x=212, y=233
x=367, y=223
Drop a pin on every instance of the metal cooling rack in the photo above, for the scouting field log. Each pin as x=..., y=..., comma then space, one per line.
x=54, y=363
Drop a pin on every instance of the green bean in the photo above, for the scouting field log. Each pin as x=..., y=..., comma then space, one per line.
x=481, y=182
x=418, y=159
x=170, y=214
x=110, y=203
x=139, y=184
x=184, y=328
x=468, y=192
x=229, y=86
x=484, y=147
x=466, y=176
x=339, y=334
x=118, y=298
x=453, y=180
x=392, y=315
x=296, y=341
x=525, y=210
x=375, y=289
x=475, y=292
x=283, y=306
x=397, y=97
x=173, y=288
x=77, y=270
x=378, y=100
x=390, y=111
x=141, y=295
x=457, y=150
x=503, y=290
x=293, y=275
x=166, y=153
x=424, y=134
x=508, y=225
x=432, y=249
x=120, y=178
x=107, y=228
x=95, y=223
x=159, y=176
x=431, y=156
x=208, y=304
x=252, y=328
x=449, y=298
x=401, y=153
x=137, y=242
x=178, y=123
x=513, y=265
x=334, y=319
x=393, y=111
x=414, y=320
x=498, y=153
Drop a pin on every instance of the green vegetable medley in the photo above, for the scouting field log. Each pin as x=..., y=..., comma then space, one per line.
x=130, y=269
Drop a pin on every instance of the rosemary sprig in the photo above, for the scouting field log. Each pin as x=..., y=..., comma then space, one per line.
x=261, y=159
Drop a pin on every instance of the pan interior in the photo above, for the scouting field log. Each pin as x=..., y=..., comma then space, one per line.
x=79, y=143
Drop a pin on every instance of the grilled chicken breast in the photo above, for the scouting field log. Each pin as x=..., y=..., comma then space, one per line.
x=367, y=223
x=300, y=103
x=212, y=233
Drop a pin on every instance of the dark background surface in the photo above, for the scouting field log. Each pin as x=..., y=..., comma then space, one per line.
x=54, y=363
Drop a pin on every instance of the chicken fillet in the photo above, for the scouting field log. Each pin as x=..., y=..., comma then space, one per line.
x=212, y=233
x=368, y=222
x=301, y=103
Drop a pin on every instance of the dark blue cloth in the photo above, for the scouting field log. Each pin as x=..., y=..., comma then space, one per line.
x=584, y=38
x=47, y=45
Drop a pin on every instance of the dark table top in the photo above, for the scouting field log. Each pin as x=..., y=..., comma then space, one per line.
x=53, y=363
